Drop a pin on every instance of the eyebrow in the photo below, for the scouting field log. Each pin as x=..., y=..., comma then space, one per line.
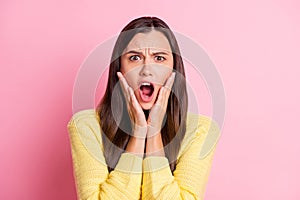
x=137, y=52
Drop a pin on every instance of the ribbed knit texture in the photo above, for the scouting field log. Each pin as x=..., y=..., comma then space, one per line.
x=133, y=177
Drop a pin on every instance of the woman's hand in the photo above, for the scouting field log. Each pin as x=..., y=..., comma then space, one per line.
x=137, y=116
x=158, y=110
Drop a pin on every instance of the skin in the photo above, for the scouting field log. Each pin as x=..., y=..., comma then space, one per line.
x=148, y=57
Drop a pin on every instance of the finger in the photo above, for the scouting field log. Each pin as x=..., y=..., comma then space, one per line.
x=124, y=85
x=131, y=94
x=138, y=110
x=166, y=90
x=123, y=80
x=133, y=100
x=169, y=83
x=161, y=97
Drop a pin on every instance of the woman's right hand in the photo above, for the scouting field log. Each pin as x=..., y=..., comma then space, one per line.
x=137, y=116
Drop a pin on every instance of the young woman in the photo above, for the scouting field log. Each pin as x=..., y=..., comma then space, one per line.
x=140, y=142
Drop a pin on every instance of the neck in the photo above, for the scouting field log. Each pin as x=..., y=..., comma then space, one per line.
x=146, y=112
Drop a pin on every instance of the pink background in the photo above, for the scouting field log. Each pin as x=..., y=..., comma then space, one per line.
x=254, y=45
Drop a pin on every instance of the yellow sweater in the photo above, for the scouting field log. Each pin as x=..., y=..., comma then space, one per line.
x=135, y=177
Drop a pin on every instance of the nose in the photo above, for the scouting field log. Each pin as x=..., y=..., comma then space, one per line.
x=146, y=68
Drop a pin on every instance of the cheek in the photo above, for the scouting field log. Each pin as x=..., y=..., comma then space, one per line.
x=127, y=67
x=131, y=77
x=123, y=66
x=171, y=64
x=164, y=74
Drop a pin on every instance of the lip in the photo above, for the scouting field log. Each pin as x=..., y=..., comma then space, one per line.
x=144, y=81
x=143, y=97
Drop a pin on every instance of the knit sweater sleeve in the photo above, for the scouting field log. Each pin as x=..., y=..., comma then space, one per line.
x=190, y=176
x=93, y=181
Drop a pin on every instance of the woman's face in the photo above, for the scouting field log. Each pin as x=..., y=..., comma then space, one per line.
x=146, y=63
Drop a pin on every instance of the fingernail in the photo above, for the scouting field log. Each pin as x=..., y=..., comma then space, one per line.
x=174, y=74
x=129, y=90
x=119, y=74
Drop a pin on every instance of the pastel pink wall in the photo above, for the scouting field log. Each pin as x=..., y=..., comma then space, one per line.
x=255, y=46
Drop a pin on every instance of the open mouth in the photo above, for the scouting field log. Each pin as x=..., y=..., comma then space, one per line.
x=146, y=91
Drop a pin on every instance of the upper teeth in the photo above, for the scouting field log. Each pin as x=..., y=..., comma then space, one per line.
x=145, y=84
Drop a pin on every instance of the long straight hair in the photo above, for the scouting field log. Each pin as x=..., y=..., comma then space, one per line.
x=116, y=139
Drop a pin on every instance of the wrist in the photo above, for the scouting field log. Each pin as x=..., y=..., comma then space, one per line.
x=154, y=146
x=139, y=132
x=153, y=132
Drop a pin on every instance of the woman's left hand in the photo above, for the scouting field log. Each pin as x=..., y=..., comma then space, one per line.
x=158, y=110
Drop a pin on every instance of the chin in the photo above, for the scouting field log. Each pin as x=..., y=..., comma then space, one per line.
x=146, y=106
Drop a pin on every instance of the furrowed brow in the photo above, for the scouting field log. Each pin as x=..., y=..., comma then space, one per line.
x=161, y=52
x=139, y=53
x=132, y=52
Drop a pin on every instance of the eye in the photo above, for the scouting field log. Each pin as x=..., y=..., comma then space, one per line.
x=160, y=58
x=134, y=57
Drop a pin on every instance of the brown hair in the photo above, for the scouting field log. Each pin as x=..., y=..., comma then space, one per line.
x=175, y=124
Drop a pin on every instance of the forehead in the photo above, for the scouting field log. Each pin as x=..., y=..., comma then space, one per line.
x=152, y=40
